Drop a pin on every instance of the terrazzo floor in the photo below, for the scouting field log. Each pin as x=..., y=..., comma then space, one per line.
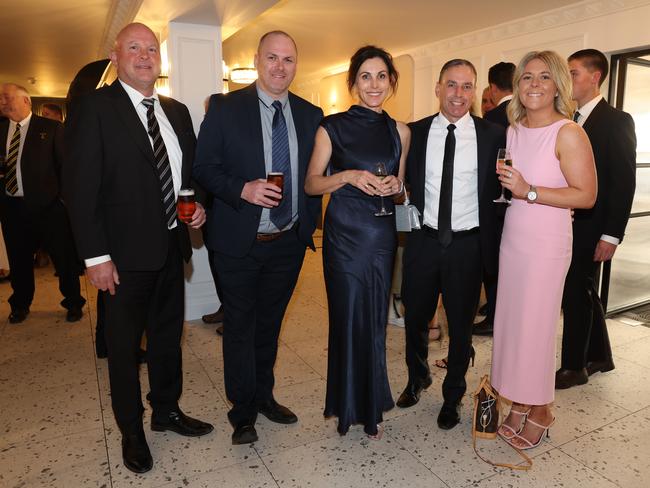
x=57, y=428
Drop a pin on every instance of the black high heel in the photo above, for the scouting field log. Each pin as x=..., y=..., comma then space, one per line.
x=472, y=355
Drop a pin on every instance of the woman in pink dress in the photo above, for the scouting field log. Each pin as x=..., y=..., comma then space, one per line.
x=553, y=171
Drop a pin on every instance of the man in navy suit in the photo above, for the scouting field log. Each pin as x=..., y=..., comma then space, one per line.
x=597, y=231
x=451, y=172
x=258, y=234
x=31, y=209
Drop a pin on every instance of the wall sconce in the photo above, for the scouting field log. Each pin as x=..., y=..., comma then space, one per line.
x=243, y=75
x=162, y=83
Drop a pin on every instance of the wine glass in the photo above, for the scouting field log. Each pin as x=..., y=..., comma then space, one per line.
x=503, y=157
x=381, y=173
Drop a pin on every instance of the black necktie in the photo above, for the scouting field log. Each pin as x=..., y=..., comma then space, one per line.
x=11, y=179
x=446, y=188
x=281, y=163
x=163, y=167
x=576, y=116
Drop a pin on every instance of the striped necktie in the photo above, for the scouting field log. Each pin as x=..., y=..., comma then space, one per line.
x=11, y=178
x=163, y=167
x=576, y=116
x=281, y=163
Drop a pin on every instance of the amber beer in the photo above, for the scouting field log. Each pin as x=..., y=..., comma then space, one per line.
x=276, y=179
x=186, y=204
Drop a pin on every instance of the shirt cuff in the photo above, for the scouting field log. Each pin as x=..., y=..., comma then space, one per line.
x=612, y=240
x=98, y=260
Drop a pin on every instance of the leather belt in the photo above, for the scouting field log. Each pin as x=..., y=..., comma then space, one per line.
x=268, y=237
x=460, y=233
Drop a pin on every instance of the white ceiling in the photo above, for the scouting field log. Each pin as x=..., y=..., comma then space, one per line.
x=50, y=40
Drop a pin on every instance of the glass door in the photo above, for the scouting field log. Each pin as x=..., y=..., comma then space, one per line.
x=626, y=279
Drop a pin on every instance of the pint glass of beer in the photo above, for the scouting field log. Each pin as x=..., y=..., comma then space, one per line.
x=276, y=179
x=186, y=204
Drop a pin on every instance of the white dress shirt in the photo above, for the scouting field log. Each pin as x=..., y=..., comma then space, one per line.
x=504, y=99
x=464, y=206
x=174, y=151
x=24, y=126
x=585, y=112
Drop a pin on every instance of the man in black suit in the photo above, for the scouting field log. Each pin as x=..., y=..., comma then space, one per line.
x=597, y=231
x=130, y=150
x=500, y=85
x=258, y=232
x=31, y=209
x=451, y=172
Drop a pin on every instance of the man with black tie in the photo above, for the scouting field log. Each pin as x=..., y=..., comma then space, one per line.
x=130, y=150
x=31, y=209
x=598, y=231
x=258, y=232
x=500, y=85
x=451, y=171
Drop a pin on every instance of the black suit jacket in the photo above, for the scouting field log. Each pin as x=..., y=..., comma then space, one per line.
x=230, y=152
x=499, y=114
x=111, y=185
x=489, y=138
x=613, y=141
x=40, y=162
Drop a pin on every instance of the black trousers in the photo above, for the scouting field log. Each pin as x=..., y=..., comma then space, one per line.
x=151, y=301
x=585, y=336
x=24, y=229
x=256, y=290
x=454, y=271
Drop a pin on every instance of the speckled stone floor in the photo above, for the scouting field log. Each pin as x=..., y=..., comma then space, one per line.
x=57, y=428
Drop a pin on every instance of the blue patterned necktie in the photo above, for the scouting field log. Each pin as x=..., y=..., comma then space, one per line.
x=281, y=163
x=163, y=167
x=11, y=178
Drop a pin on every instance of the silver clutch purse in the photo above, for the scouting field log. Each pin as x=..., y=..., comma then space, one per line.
x=407, y=217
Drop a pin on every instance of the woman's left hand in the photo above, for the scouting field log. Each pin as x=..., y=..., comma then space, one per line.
x=390, y=185
x=512, y=180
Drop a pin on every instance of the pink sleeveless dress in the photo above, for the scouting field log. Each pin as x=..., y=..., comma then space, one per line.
x=534, y=259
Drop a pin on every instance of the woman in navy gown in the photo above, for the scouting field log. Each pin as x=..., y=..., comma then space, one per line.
x=359, y=247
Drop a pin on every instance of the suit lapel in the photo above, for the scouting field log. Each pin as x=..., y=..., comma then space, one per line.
x=132, y=122
x=255, y=127
x=421, y=158
x=482, y=155
x=4, y=129
x=593, y=119
x=300, y=125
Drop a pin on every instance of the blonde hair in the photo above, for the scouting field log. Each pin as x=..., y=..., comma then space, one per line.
x=559, y=70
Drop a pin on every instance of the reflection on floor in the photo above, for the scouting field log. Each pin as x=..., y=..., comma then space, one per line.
x=57, y=429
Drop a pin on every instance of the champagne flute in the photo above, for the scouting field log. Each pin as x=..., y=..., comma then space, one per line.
x=503, y=157
x=381, y=173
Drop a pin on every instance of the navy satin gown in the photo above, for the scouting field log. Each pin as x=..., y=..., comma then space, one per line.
x=358, y=254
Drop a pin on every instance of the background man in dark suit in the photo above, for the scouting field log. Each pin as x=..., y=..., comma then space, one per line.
x=258, y=241
x=597, y=231
x=31, y=209
x=130, y=151
x=500, y=85
x=451, y=171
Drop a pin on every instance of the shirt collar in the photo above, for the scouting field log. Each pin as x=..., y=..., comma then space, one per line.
x=24, y=122
x=268, y=100
x=442, y=122
x=588, y=107
x=504, y=99
x=135, y=96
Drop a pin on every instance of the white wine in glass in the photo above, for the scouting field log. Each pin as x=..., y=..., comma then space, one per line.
x=503, y=157
x=380, y=171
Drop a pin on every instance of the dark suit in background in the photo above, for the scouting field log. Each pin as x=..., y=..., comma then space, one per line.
x=499, y=114
x=454, y=271
x=257, y=278
x=613, y=140
x=115, y=204
x=39, y=216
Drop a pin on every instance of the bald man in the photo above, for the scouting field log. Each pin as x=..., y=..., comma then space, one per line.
x=130, y=151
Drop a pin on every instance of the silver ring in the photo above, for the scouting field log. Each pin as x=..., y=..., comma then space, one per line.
x=509, y=174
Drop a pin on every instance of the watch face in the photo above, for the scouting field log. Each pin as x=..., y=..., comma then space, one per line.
x=532, y=196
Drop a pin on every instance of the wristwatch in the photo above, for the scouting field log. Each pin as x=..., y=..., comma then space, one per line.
x=531, y=196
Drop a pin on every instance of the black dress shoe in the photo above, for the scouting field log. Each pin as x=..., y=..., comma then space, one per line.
x=18, y=315
x=244, y=433
x=277, y=413
x=449, y=416
x=74, y=314
x=411, y=394
x=483, y=328
x=599, y=366
x=566, y=378
x=181, y=424
x=135, y=452
x=213, y=318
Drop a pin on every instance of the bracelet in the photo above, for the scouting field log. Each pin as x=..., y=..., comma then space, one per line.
x=401, y=187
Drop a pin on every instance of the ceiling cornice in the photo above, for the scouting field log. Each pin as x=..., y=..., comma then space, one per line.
x=120, y=13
